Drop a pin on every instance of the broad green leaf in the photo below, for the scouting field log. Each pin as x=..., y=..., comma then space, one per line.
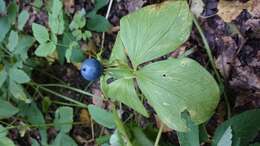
x=2, y=6
x=40, y=33
x=22, y=19
x=118, y=53
x=12, y=12
x=12, y=40
x=226, y=139
x=155, y=30
x=3, y=131
x=4, y=141
x=56, y=20
x=101, y=116
x=63, y=115
x=45, y=49
x=191, y=137
x=34, y=116
x=4, y=27
x=255, y=144
x=7, y=110
x=245, y=127
x=17, y=91
x=63, y=139
x=18, y=75
x=123, y=90
x=98, y=23
x=3, y=77
x=175, y=85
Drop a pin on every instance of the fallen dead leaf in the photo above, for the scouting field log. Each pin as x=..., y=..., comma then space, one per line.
x=229, y=10
x=85, y=117
x=158, y=125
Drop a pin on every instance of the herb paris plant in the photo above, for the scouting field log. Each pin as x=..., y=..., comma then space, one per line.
x=171, y=86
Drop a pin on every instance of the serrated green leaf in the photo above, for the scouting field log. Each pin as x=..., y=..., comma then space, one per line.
x=22, y=19
x=98, y=23
x=45, y=49
x=12, y=40
x=226, y=139
x=101, y=116
x=63, y=139
x=3, y=77
x=144, y=35
x=7, y=110
x=245, y=127
x=34, y=116
x=68, y=53
x=56, y=20
x=4, y=27
x=63, y=115
x=182, y=83
x=40, y=33
x=78, y=21
x=4, y=141
x=18, y=75
x=2, y=6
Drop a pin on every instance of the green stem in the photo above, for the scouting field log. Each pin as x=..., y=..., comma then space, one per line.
x=208, y=50
x=71, y=88
x=159, y=135
x=120, y=126
x=64, y=97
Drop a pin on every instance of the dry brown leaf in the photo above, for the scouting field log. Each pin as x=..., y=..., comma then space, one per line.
x=158, y=125
x=85, y=117
x=69, y=5
x=229, y=10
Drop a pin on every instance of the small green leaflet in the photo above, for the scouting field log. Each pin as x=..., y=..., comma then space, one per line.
x=17, y=91
x=63, y=139
x=18, y=75
x=12, y=40
x=63, y=119
x=7, y=110
x=56, y=21
x=4, y=27
x=3, y=77
x=45, y=49
x=3, y=131
x=5, y=141
x=22, y=19
x=40, y=33
x=2, y=6
x=101, y=116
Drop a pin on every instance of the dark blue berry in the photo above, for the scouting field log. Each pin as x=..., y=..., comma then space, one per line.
x=91, y=69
